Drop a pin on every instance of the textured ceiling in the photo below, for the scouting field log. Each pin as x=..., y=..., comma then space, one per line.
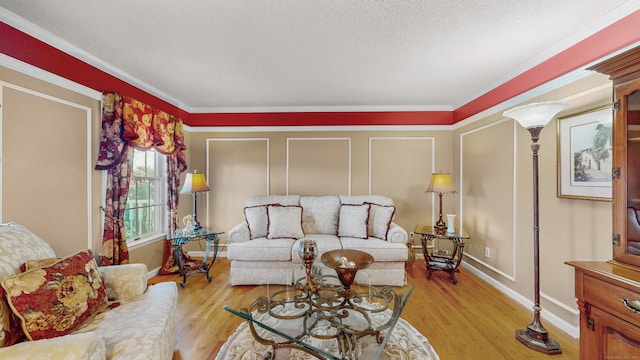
x=243, y=55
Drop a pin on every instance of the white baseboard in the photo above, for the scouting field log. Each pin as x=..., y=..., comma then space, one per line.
x=153, y=272
x=548, y=316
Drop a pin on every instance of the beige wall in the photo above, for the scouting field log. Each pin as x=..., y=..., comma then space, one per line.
x=240, y=164
x=49, y=144
x=50, y=139
x=494, y=159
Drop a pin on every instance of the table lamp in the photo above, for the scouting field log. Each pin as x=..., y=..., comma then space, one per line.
x=440, y=184
x=195, y=183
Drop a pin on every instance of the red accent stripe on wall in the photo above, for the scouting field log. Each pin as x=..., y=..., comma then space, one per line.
x=30, y=50
x=612, y=38
x=323, y=118
x=25, y=48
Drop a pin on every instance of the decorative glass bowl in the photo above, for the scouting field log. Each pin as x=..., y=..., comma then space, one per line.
x=346, y=263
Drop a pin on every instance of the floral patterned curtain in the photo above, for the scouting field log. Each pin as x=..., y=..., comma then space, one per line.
x=174, y=168
x=114, y=240
x=126, y=124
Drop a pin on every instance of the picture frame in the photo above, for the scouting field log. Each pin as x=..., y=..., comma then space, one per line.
x=585, y=154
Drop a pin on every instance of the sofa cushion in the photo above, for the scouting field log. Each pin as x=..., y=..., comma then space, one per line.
x=261, y=249
x=324, y=242
x=380, y=217
x=257, y=220
x=381, y=250
x=320, y=214
x=88, y=346
x=143, y=328
x=17, y=245
x=353, y=221
x=285, y=222
x=51, y=301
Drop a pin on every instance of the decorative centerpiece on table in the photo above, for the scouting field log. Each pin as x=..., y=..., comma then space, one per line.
x=346, y=263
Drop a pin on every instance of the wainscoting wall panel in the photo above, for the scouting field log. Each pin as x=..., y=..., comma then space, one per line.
x=401, y=167
x=236, y=168
x=339, y=162
x=313, y=159
x=487, y=201
x=47, y=167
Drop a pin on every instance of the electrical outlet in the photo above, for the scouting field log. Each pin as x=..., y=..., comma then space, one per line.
x=487, y=252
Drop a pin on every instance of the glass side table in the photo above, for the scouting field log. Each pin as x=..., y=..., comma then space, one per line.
x=441, y=261
x=326, y=323
x=180, y=237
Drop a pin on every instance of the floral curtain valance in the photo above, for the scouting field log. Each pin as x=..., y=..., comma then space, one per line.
x=129, y=122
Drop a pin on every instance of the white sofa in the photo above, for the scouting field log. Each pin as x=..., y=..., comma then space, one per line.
x=263, y=248
x=141, y=326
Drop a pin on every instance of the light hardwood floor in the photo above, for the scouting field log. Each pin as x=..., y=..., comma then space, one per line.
x=470, y=320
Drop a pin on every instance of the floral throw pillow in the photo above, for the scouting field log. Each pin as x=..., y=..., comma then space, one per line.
x=53, y=300
x=34, y=264
x=10, y=329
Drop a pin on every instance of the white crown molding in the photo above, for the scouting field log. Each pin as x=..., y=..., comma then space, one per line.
x=49, y=77
x=528, y=95
x=41, y=34
x=607, y=20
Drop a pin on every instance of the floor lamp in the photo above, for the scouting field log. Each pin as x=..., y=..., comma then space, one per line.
x=534, y=117
x=195, y=183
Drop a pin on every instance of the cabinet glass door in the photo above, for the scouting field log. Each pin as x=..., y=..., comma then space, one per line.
x=633, y=172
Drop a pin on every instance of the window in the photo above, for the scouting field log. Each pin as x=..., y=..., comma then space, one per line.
x=144, y=217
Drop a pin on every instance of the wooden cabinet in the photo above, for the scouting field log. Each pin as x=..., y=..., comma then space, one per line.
x=608, y=292
x=609, y=317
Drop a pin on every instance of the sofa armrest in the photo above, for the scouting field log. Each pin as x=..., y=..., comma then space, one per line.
x=239, y=234
x=124, y=282
x=397, y=234
x=86, y=346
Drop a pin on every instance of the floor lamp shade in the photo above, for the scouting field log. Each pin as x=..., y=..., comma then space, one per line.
x=195, y=183
x=534, y=117
x=535, y=114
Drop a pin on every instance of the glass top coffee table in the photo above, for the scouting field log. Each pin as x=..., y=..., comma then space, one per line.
x=325, y=320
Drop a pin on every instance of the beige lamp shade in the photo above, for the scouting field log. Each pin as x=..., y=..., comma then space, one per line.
x=194, y=183
x=440, y=183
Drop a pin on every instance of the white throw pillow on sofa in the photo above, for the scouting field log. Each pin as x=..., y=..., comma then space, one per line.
x=284, y=222
x=256, y=217
x=353, y=221
x=320, y=214
x=380, y=217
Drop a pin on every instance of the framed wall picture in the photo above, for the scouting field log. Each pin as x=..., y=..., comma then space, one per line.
x=585, y=155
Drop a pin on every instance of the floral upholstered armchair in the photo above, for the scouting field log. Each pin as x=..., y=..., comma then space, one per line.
x=70, y=308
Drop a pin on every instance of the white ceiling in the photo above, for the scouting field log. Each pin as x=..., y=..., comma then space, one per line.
x=248, y=55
